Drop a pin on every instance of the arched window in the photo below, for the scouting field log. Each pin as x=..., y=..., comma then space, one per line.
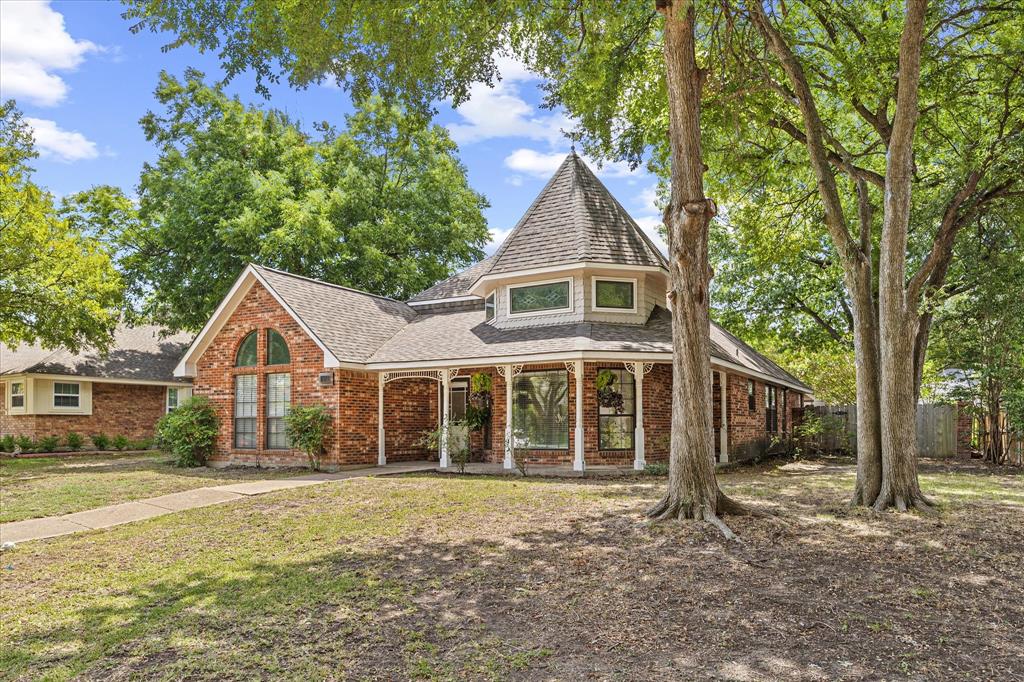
x=277, y=349
x=246, y=356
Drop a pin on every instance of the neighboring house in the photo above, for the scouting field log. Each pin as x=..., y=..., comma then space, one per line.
x=125, y=391
x=575, y=289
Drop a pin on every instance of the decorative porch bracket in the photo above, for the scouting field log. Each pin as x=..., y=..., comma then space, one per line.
x=638, y=370
x=576, y=368
x=508, y=373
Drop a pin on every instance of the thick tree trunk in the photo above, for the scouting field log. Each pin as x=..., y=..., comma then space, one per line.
x=869, y=415
x=898, y=318
x=692, y=488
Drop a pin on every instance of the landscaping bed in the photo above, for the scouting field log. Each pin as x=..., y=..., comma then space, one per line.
x=446, y=577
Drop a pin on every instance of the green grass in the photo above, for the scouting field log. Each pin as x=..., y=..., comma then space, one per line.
x=34, y=487
x=449, y=578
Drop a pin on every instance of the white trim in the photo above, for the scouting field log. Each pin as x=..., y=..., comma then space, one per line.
x=568, y=267
x=594, y=279
x=187, y=366
x=452, y=299
x=537, y=313
x=95, y=380
x=78, y=395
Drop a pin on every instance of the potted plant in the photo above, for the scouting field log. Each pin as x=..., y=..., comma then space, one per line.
x=608, y=394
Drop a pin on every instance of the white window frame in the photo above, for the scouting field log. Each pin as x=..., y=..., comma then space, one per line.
x=67, y=395
x=23, y=394
x=593, y=294
x=537, y=313
x=167, y=399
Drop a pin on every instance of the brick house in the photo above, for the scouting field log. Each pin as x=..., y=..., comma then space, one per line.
x=45, y=392
x=575, y=295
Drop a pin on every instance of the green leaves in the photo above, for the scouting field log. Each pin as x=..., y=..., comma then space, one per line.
x=58, y=285
x=382, y=205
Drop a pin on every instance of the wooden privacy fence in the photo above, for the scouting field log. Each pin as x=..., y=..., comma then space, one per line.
x=936, y=429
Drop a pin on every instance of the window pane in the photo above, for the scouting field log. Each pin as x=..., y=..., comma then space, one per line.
x=554, y=296
x=611, y=294
x=246, y=356
x=65, y=395
x=277, y=349
x=616, y=433
x=279, y=390
x=18, y=394
x=245, y=411
x=540, y=413
x=172, y=398
x=489, y=307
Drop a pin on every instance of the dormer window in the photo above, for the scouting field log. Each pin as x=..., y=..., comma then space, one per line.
x=489, y=308
x=540, y=298
x=614, y=295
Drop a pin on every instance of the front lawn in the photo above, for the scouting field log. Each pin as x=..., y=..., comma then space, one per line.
x=32, y=487
x=445, y=577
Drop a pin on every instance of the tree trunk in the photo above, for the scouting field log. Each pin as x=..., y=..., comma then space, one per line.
x=898, y=318
x=866, y=358
x=692, y=488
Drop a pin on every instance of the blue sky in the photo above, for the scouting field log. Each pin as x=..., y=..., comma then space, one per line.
x=83, y=80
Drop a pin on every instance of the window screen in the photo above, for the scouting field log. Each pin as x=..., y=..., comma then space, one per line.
x=246, y=356
x=245, y=411
x=540, y=411
x=539, y=297
x=613, y=294
x=279, y=397
x=615, y=424
x=65, y=395
x=277, y=349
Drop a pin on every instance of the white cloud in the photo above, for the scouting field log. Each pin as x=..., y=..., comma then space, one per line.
x=648, y=198
x=497, y=237
x=33, y=43
x=63, y=145
x=651, y=225
x=515, y=180
x=543, y=165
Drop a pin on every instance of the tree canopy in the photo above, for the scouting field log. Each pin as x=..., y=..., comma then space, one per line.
x=58, y=284
x=382, y=204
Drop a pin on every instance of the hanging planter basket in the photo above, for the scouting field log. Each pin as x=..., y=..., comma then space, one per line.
x=608, y=394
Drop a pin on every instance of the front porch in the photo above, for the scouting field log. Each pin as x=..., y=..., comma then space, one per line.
x=549, y=414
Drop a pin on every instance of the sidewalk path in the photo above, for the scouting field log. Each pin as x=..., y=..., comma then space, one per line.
x=126, y=512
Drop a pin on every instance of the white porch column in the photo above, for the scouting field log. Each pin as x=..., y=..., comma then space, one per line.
x=576, y=367
x=638, y=370
x=446, y=384
x=382, y=458
x=508, y=372
x=723, y=406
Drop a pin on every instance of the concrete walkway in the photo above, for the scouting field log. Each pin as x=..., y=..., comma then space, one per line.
x=126, y=512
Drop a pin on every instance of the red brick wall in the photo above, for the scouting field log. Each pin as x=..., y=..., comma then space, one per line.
x=131, y=410
x=410, y=411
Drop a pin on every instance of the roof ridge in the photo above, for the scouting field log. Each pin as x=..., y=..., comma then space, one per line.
x=328, y=284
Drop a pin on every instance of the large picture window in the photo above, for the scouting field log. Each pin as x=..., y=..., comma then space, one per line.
x=245, y=411
x=17, y=394
x=540, y=410
x=615, y=295
x=616, y=411
x=546, y=297
x=279, y=400
x=66, y=395
x=771, y=410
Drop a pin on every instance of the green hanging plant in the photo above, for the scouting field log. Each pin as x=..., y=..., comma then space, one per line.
x=478, y=411
x=607, y=394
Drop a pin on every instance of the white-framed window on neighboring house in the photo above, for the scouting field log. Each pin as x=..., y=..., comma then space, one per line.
x=540, y=298
x=279, y=401
x=613, y=294
x=489, y=308
x=17, y=394
x=66, y=394
x=172, y=399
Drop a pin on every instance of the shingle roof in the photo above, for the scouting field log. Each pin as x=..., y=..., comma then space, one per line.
x=575, y=219
x=456, y=285
x=137, y=353
x=463, y=336
x=351, y=323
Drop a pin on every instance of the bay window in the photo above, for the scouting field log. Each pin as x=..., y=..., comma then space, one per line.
x=17, y=394
x=66, y=394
